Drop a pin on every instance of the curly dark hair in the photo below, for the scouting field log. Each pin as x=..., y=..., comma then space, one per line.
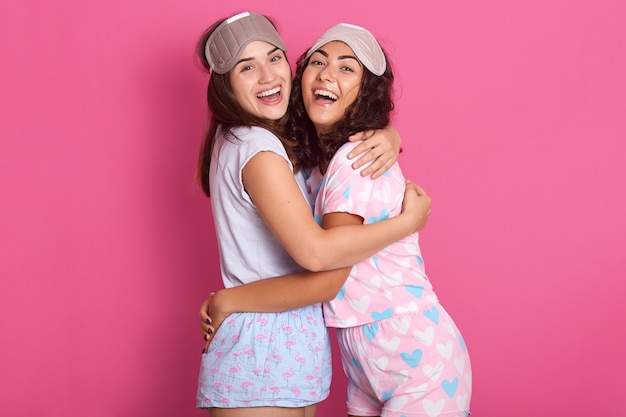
x=371, y=110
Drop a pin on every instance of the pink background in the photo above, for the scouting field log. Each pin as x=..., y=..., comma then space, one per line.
x=513, y=119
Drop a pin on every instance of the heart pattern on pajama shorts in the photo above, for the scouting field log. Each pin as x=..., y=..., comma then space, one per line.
x=415, y=364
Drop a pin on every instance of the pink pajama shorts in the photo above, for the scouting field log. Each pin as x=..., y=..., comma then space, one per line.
x=414, y=364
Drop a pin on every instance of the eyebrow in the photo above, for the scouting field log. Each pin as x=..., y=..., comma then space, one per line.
x=323, y=52
x=250, y=59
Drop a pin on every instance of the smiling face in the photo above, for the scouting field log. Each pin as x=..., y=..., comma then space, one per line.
x=261, y=80
x=330, y=84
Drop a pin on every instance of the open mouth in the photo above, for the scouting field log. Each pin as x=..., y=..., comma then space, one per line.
x=325, y=95
x=269, y=94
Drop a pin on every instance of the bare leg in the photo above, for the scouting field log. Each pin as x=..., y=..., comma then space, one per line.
x=309, y=411
x=259, y=412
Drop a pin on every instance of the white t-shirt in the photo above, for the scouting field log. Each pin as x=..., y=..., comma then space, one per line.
x=249, y=251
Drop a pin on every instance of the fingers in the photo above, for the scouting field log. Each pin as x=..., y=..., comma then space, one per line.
x=207, y=330
x=419, y=190
x=420, y=203
x=377, y=168
x=360, y=136
x=379, y=148
x=208, y=338
x=204, y=308
x=205, y=322
x=410, y=186
x=376, y=154
x=365, y=153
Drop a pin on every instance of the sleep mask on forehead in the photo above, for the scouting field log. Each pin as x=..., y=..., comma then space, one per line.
x=225, y=44
x=360, y=40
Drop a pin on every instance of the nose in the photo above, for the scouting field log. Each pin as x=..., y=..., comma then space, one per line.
x=326, y=74
x=266, y=74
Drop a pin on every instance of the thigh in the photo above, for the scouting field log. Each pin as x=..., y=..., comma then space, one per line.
x=258, y=412
x=309, y=411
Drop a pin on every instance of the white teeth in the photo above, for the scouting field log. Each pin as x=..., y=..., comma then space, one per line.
x=326, y=93
x=269, y=92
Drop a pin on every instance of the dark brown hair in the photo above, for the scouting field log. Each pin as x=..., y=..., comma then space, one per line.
x=226, y=113
x=371, y=110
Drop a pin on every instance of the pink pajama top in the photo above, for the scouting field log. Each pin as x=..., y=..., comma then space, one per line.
x=394, y=280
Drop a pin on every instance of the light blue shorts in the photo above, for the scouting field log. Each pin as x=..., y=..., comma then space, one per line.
x=267, y=359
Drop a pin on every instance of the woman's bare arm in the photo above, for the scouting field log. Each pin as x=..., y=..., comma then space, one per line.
x=282, y=293
x=273, y=189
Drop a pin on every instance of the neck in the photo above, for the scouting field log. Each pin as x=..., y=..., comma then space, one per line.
x=323, y=165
